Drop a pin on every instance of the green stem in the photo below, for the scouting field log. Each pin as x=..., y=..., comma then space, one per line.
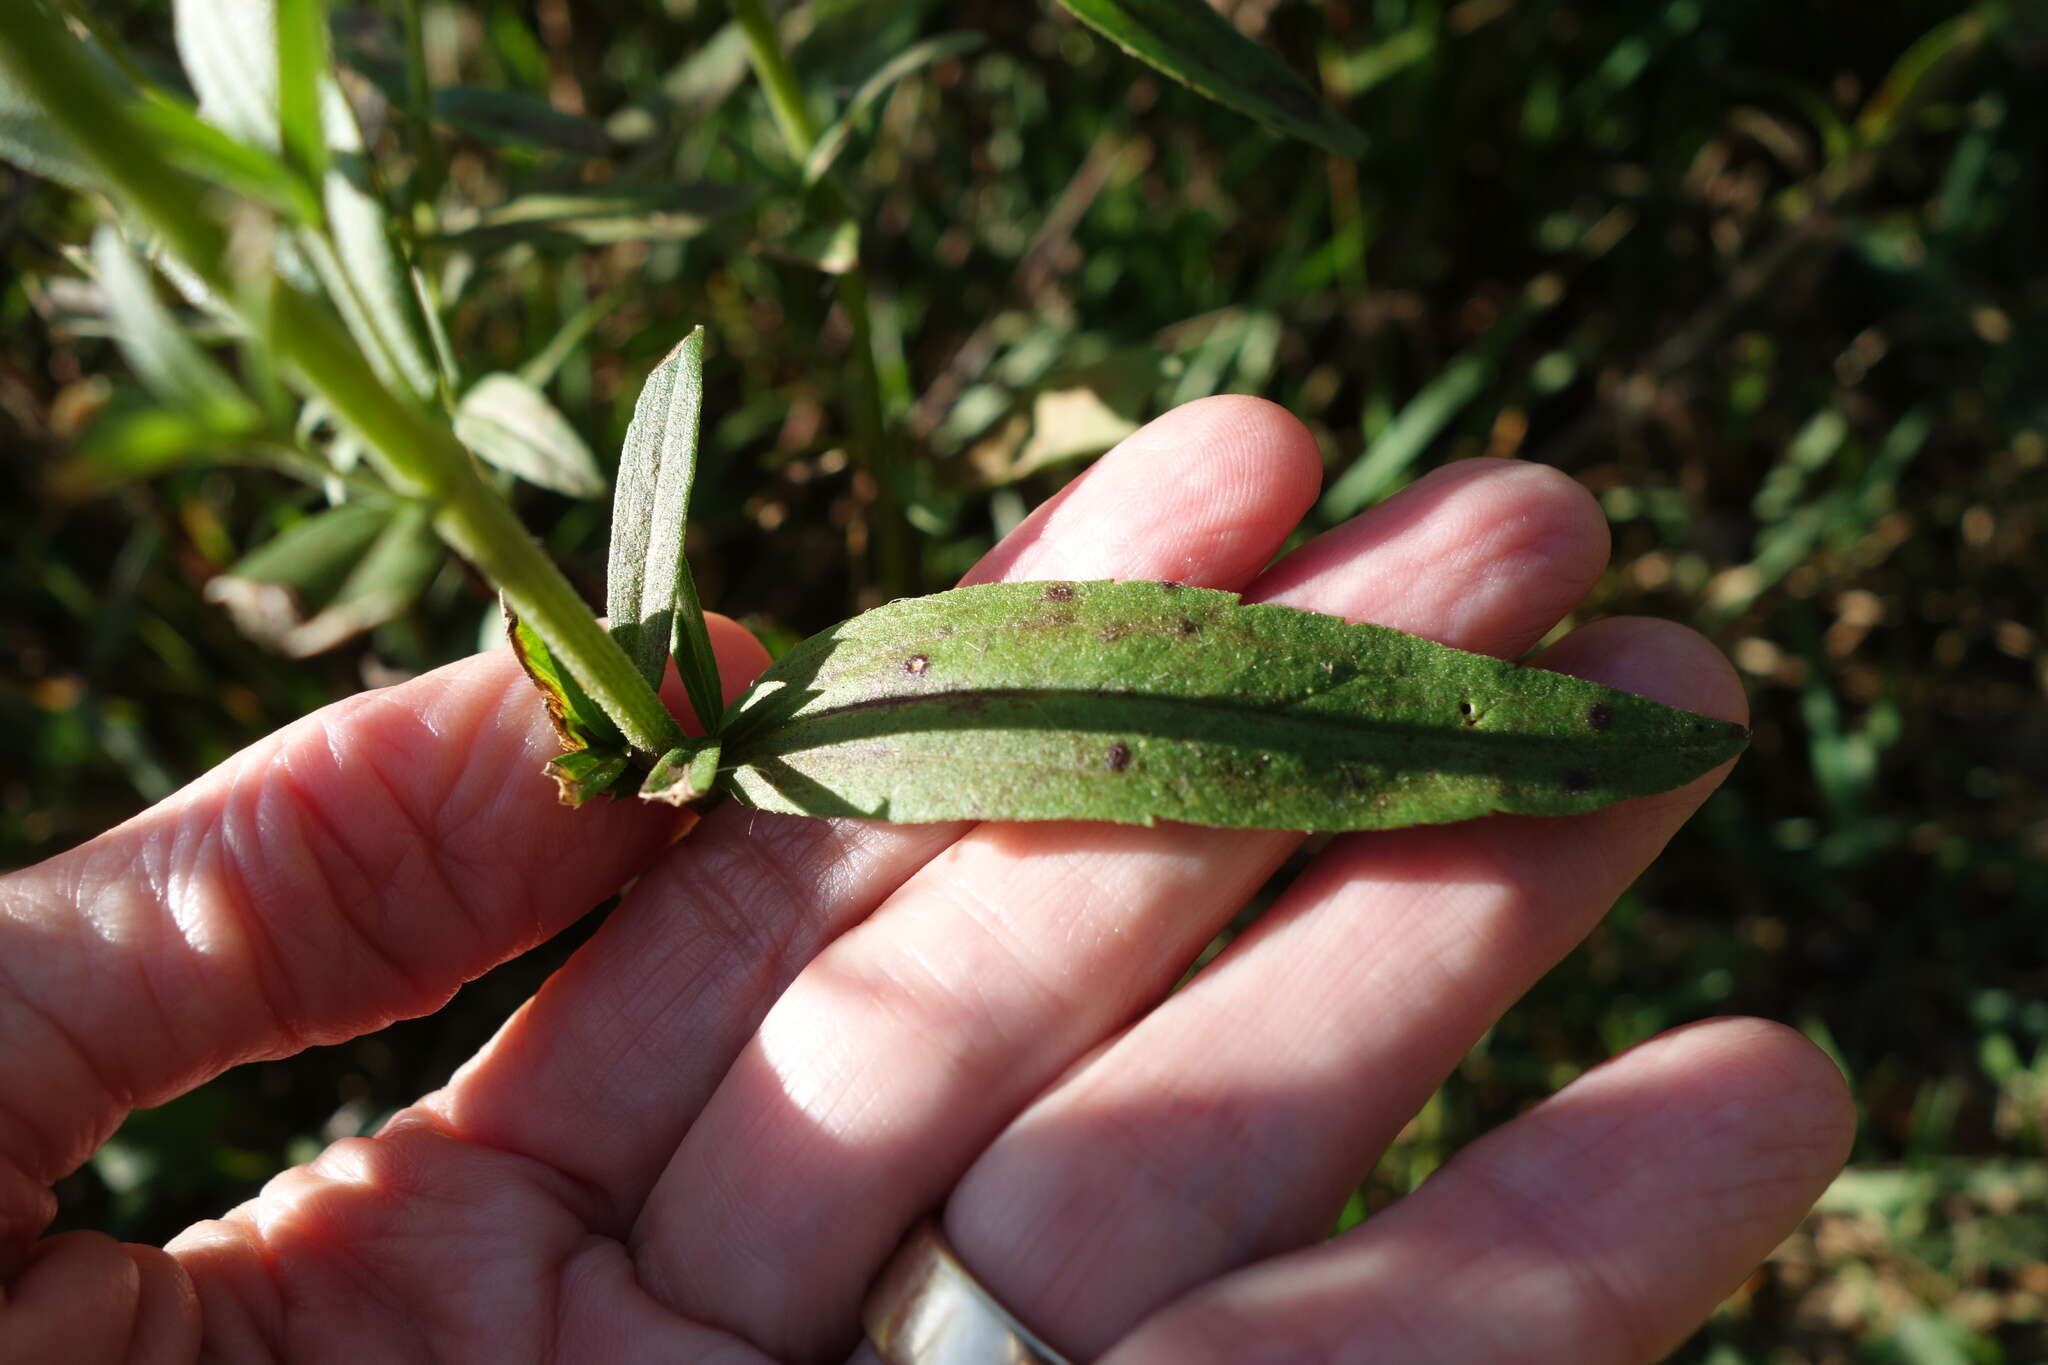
x=785, y=95
x=894, y=569
x=415, y=452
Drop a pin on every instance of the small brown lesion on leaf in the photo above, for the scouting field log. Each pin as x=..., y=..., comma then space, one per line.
x=1059, y=592
x=1187, y=626
x=1468, y=713
x=1109, y=635
x=1599, y=715
x=1118, y=758
x=916, y=664
x=1578, y=781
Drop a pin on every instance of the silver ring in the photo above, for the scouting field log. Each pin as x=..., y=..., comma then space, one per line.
x=927, y=1309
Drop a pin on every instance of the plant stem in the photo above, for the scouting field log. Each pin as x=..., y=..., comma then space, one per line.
x=785, y=95
x=415, y=451
x=894, y=566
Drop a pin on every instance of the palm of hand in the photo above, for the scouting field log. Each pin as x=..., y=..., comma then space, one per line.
x=705, y=1135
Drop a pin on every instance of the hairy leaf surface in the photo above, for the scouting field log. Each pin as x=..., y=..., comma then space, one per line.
x=649, y=590
x=1136, y=702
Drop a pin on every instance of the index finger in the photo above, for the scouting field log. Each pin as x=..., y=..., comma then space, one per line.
x=352, y=869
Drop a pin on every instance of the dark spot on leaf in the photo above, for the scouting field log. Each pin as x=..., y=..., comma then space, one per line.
x=1118, y=758
x=917, y=663
x=1599, y=715
x=1577, y=781
x=1059, y=592
x=1469, y=712
x=1188, y=626
x=1171, y=584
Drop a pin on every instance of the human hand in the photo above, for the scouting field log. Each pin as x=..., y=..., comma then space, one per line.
x=705, y=1135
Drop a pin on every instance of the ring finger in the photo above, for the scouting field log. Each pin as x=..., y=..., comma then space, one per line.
x=1231, y=1124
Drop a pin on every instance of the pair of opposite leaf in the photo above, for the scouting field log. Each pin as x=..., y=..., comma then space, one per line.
x=1125, y=702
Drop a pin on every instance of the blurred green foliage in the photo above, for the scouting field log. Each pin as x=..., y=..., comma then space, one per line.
x=1765, y=277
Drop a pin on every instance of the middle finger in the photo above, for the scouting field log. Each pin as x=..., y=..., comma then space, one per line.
x=903, y=1048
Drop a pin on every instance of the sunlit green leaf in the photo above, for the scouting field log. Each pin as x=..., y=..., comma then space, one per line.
x=332, y=577
x=167, y=361
x=28, y=140
x=1136, y=702
x=229, y=51
x=127, y=441
x=650, y=592
x=583, y=774
x=1191, y=42
x=511, y=424
x=363, y=271
x=683, y=775
x=192, y=144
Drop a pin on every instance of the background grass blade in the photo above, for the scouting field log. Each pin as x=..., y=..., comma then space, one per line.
x=1198, y=47
x=833, y=139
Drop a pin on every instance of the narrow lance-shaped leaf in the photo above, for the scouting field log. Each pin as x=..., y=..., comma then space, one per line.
x=585, y=773
x=1136, y=702
x=511, y=424
x=650, y=593
x=1191, y=42
x=231, y=54
x=192, y=144
x=683, y=775
x=579, y=722
x=167, y=361
x=363, y=271
x=229, y=51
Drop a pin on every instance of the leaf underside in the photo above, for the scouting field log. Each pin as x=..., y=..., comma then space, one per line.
x=1137, y=702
